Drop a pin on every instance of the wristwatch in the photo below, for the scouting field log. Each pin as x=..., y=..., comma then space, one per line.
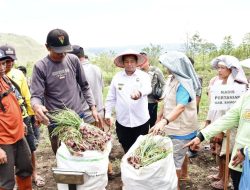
x=166, y=120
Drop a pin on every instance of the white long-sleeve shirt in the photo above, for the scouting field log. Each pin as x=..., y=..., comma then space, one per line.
x=129, y=112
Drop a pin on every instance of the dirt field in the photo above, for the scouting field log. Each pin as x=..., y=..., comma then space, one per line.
x=199, y=168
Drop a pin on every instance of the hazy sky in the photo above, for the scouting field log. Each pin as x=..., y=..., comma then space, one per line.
x=104, y=23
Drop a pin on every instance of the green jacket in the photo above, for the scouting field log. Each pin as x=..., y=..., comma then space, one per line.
x=237, y=117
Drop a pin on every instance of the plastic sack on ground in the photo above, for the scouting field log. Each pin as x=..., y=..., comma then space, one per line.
x=160, y=175
x=94, y=163
x=245, y=177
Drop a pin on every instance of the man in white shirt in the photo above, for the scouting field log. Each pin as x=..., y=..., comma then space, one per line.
x=128, y=94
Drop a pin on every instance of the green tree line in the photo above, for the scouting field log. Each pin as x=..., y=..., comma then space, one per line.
x=195, y=47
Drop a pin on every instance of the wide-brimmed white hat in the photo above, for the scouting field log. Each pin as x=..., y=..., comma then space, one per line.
x=140, y=58
x=245, y=63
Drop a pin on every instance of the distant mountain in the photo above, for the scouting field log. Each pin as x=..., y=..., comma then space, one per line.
x=27, y=49
x=118, y=49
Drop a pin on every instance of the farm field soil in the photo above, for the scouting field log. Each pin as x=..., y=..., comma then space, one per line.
x=199, y=167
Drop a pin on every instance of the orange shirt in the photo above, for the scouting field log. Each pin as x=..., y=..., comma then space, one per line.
x=11, y=122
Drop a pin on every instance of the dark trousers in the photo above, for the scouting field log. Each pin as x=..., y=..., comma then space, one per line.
x=152, y=109
x=30, y=137
x=54, y=141
x=19, y=163
x=127, y=135
x=36, y=128
x=235, y=175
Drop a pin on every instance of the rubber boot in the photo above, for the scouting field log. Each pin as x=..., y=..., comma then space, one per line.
x=24, y=183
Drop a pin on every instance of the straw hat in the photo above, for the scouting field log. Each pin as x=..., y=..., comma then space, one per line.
x=140, y=58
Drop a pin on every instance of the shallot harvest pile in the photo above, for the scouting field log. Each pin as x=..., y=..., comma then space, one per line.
x=149, y=151
x=77, y=135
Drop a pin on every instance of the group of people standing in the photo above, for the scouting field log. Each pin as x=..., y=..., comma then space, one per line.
x=58, y=82
x=12, y=141
x=65, y=78
x=230, y=122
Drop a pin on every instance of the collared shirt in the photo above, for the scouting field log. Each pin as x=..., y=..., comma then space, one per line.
x=129, y=112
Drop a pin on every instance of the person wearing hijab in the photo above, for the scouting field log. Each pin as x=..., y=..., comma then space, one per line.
x=229, y=73
x=182, y=86
x=238, y=117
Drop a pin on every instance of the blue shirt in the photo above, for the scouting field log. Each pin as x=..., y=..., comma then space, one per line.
x=182, y=96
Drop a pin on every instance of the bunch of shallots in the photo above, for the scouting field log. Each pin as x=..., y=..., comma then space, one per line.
x=93, y=138
x=77, y=135
x=150, y=150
